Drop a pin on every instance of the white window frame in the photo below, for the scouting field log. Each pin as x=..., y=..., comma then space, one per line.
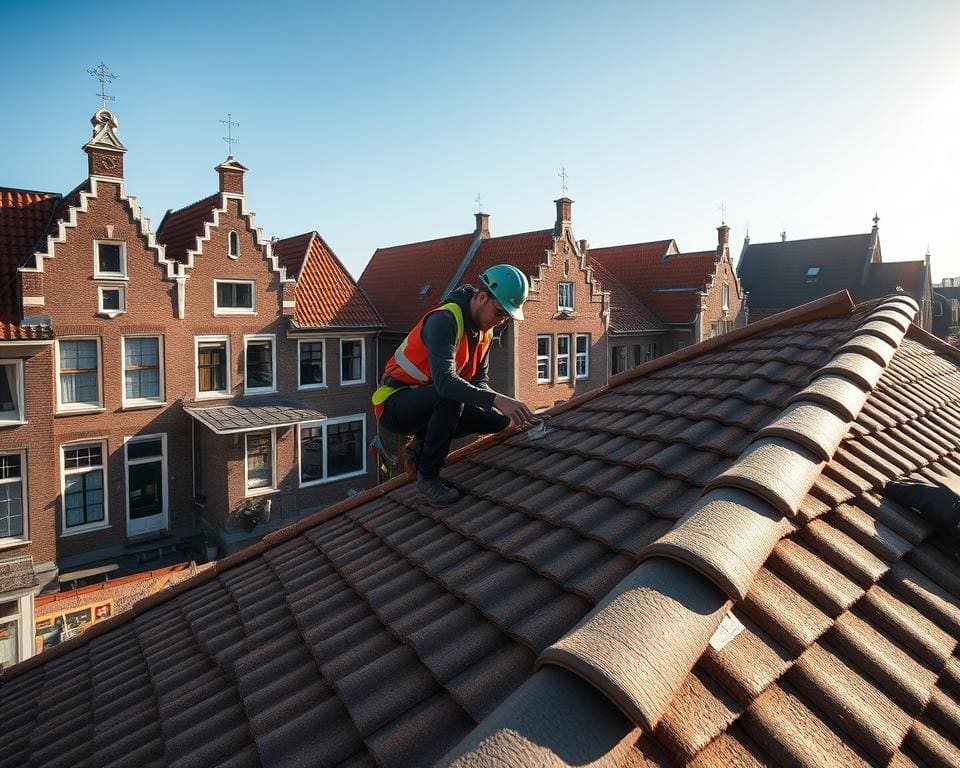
x=63, y=407
x=323, y=424
x=64, y=472
x=233, y=237
x=251, y=310
x=725, y=297
x=565, y=357
x=137, y=401
x=561, y=307
x=23, y=538
x=18, y=416
x=26, y=627
x=323, y=363
x=101, y=310
x=649, y=351
x=586, y=356
x=363, y=361
x=219, y=393
x=272, y=488
x=97, y=274
x=247, y=338
x=127, y=463
x=546, y=359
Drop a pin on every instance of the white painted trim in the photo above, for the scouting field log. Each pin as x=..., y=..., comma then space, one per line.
x=247, y=338
x=363, y=361
x=289, y=304
x=361, y=417
x=220, y=393
x=33, y=301
x=26, y=627
x=164, y=474
x=248, y=491
x=111, y=313
x=24, y=538
x=548, y=357
x=323, y=361
x=558, y=356
x=26, y=343
x=20, y=393
x=97, y=274
x=141, y=402
x=104, y=459
x=586, y=375
x=252, y=310
x=79, y=407
x=232, y=237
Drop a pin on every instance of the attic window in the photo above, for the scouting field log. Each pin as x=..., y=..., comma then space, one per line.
x=812, y=274
x=234, y=245
x=425, y=290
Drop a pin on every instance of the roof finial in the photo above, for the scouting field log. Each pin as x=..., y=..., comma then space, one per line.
x=229, y=137
x=723, y=213
x=783, y=235
x=563, y=176
x=876, y=219
x=479, y=203
x=103, y=75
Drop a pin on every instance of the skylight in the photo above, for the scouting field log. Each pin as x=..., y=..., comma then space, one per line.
x=813, y=271
x=425, y=290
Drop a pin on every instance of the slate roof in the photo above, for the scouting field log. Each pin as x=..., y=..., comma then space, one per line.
x=741, y=471
x=327, y=296
x=25, y=216
x=250, y=416
x=775, y=274
x=404, y=281
x=667, y=283
x=180, y=229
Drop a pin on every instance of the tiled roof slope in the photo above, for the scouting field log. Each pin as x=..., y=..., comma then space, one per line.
x=327, y=296
x=668, y=284
x=382, y=632
x=24, y=218
x=526, y=251
x=180, y=229
x=627, y=313
x=405, y=281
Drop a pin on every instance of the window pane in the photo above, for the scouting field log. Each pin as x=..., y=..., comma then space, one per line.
x=84, y=456
x=142, y=368
x=10, y=466
x=108, y=257
x=212, y=366
x=142, y=449
x=351, y=360
x=344, y=448
x=311, y=454
x=311, y=363
x=145, y=486
x=78, y=372
x=111, y=298
x=8, y=388
x=259, y=364
x=11, y=509
x=259, y=460
x=563, y=345
x=83, y=498
x=9, y=643
x=235, y=295
x=543, y=345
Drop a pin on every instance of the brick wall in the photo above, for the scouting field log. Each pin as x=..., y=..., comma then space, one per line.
x=712, y=304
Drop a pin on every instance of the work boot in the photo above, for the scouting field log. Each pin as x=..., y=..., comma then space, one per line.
x=436, y=493
x=411, y=454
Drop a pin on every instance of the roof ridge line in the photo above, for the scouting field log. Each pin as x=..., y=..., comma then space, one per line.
x=681, y=588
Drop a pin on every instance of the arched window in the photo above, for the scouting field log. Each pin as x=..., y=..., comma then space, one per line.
x=234, y=245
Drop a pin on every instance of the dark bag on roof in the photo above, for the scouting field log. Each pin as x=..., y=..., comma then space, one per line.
x=936, y=501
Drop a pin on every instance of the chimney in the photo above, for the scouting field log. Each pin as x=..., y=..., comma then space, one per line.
x=483, y=225
x=105, y=151
x=723, y=238
x=584, y=246
x=231, y=176
x=564, y=206
x=783, y=235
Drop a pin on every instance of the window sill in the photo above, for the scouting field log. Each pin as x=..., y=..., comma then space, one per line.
x=230, y=312
x=259, y=391
x=254, y=492
x=85, y=529
x=11, y=543
x=544, y=381
x=143, y=406
x=212, y=395
x=306, y=387
x=12, y=423
x=352, y=383
x=81, y=411
x=111, y=277
x=564, y=314
x=328, y=480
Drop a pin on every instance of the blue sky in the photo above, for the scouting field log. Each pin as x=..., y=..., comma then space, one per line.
x=379, y=123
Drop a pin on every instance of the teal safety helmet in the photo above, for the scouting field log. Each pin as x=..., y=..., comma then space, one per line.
x=509, y=286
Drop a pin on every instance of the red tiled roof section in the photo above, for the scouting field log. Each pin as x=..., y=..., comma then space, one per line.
x=657, y=280
x=180, y=229
x=627, y=312
x=404, y=281
x=327, y=295
x=525, y=251
x=24, y=216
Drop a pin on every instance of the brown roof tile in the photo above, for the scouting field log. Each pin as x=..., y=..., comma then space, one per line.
x=179, y=229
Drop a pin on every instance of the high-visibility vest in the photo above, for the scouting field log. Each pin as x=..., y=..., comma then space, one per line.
x=410, y=364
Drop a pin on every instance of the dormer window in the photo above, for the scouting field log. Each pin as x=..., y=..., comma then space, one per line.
x=110, y=259
x=234, y=245
x=812, y=274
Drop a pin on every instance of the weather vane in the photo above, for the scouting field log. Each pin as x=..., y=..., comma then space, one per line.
x=229, y=137
x=479, y=203
x=563, y=176
x=723, y=213
x=104, y=75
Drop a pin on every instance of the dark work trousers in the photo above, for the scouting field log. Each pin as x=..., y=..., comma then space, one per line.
x=436, y=421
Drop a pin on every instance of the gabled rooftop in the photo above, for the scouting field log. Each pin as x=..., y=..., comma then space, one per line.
x=179, y=229
x=561, y=612
x=327, y=296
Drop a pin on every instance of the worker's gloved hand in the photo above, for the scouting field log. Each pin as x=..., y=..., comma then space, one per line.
x=515, y=410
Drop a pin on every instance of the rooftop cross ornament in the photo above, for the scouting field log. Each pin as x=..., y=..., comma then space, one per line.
x=103, y=75
x=229, y=137
x=479, y=203
x=563, y=176
x=723, y=213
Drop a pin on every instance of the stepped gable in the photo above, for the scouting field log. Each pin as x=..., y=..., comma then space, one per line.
x=405, y=281
x=562, y=612
x=327, y=296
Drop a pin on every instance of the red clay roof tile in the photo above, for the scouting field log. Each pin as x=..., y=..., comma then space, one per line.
x=179, y=229
x=25, y=216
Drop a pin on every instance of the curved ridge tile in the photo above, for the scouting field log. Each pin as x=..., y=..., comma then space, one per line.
x=873, y=347
x=779, y=471
x=638, y=645
x=893, y=315
x=553, y=720
x=883, y=330
x=810, y=424
x=861, y=370
x=727, y=537
x=901, y=303
x=836, y=392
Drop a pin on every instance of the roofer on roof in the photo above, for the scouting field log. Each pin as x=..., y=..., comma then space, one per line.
x=435, y=386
